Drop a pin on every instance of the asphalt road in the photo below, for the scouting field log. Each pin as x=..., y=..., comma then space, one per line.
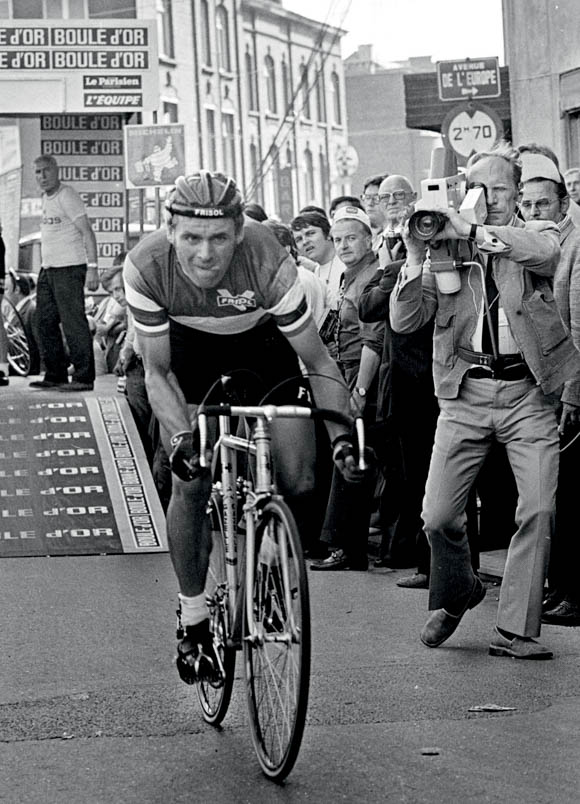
x=92, y=710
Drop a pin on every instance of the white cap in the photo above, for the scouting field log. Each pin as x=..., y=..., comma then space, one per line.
x=538, y=166
x=352, y=214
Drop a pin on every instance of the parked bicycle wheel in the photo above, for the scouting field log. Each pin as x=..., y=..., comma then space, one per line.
x=277, y=658
x=215, y=700
x=18, y=347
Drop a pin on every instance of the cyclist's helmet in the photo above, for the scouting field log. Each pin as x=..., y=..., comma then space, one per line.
x=205, y=195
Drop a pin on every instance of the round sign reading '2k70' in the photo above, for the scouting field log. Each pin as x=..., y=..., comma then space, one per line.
x=471, y=128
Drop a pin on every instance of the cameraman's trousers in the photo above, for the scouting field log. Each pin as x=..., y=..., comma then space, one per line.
x=519, y=415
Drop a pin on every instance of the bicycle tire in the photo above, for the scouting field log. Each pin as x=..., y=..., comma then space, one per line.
x=214, y=701
x=277, y=663
x=18, y=347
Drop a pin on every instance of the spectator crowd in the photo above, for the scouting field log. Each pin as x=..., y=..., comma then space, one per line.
x=471, y=399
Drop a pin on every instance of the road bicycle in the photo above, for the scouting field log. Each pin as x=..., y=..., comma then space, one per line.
x=18, y=346
x=257, y=588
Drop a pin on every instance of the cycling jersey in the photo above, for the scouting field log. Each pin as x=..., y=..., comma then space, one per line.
x=260, y=284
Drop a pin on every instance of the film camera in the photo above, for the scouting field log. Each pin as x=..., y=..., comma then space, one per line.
x=446, y=256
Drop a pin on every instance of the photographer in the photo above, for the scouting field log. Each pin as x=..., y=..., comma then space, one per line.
x=501, y=355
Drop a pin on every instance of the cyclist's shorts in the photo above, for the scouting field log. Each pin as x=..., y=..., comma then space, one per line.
x=198, y=359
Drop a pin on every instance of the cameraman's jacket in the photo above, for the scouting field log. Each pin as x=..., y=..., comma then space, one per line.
x=523, y=274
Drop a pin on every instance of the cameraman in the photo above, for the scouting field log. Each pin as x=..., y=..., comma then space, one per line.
x=501, y=355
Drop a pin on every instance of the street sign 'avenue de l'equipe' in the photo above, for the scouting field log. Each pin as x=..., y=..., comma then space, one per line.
x=469, y=79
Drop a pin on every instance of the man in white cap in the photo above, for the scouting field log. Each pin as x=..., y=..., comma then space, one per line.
x=359, y=346
x=545, y=197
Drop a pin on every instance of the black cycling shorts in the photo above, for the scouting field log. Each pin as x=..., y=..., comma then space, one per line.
x=198, y=359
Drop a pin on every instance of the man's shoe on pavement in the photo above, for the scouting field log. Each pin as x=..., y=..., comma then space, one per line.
x=518, y=647
x=46, y=384
x=552, y=600
x=4, y=379
x=417, y=581
x=441, y=624
x=338, y=560
x=565, y=613
x=196, y=657
x=74, y=385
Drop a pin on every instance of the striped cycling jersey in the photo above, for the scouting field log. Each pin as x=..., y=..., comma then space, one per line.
x=261, y=283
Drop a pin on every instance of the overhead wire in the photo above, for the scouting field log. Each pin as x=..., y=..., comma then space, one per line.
x=274, y=148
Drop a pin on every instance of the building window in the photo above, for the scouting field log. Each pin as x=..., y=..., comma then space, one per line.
x=47, y=9
x=288, y=156
x=165, y=29
x=305, y=92
x=255, y=179
x=170, y=112
x=320, y=105
x=229, y=144
x=309, y=175
x=211, y=139
x=223, y=38
x=286, y=89
x=205, y=35
x=119, y=9
x=336, y=105
x=270, y=74
x=251, y=82
x=323, y=177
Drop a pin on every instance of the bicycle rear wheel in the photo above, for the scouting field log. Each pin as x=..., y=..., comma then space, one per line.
x=277, y=652
x=215, y=701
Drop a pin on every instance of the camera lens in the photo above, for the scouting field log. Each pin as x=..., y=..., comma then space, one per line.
x=425, y=224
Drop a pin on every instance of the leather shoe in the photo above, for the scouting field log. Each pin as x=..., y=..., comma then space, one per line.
x=518, y=647
x=441, y=624
x=552, y=600
x=338, y=560
x=417, y=581
x=46, y=384
x=566, y=613
x=76, y=386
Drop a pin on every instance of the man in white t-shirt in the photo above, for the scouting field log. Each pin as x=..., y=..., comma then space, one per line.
x=69, y=259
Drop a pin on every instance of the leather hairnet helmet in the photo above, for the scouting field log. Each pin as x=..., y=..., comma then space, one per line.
x=205, y=195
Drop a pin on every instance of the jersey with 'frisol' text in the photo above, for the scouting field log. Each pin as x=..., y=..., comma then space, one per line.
x=261, y=283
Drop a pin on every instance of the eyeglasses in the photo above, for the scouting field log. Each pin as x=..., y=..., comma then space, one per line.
x=542, y=204
x=370, y=199
x=398, y=195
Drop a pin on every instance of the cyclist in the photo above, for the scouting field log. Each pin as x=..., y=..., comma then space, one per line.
x=209, y=294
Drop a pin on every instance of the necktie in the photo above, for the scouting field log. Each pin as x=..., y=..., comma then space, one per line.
x=493, y=304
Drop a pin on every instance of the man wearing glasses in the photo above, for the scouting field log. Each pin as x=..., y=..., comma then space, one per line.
x=545, y=198
x=395, y=196
x=370, y=200
x=500, y=355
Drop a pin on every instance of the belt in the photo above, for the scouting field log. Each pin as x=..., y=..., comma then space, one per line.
x=518, y=371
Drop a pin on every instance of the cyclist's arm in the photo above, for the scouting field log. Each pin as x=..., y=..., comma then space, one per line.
x=329, y=390
x=165, y=396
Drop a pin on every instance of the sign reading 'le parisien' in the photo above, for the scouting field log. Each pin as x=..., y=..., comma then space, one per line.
x=84, y=66
x=469, y=79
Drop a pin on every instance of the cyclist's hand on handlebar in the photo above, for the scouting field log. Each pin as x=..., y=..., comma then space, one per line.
x=346, y=460
x=184, y=459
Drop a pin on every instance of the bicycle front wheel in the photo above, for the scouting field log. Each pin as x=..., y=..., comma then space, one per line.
x=277, y=643
x=214, y=700
x=18, y=346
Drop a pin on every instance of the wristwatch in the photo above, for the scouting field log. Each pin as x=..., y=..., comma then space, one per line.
x=361, y=391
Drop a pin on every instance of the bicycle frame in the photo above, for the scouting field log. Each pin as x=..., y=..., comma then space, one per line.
x=227, y=446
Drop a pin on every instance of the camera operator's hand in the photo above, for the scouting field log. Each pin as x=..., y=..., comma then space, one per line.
x=456, y=228
x=345, y=460
x=416, y=249
x=569, y=418
x=184, y=459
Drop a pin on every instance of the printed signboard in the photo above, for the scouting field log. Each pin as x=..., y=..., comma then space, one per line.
x=89, y=152
x=154, y=155
x=85, y=65
x=471, y=78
